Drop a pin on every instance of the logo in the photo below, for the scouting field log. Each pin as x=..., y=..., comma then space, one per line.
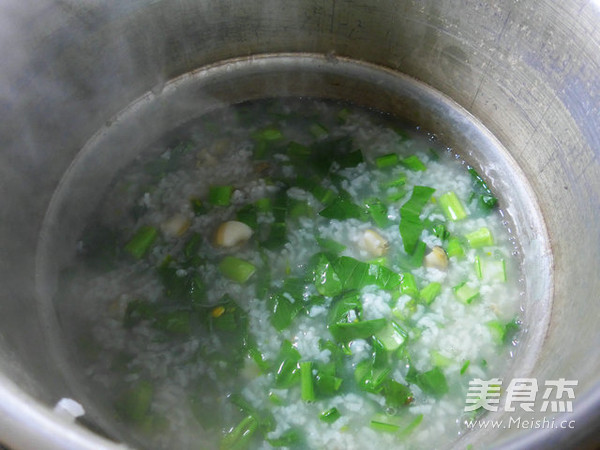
x=521, y=394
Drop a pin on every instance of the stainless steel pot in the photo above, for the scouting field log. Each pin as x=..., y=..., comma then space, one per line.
x=528, y=71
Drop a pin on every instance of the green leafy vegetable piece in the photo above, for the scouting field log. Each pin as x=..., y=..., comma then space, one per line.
x=239, y=437
x=344, y=309
x=298, y=209
x=268, y=134
x=324, y=276
x=410, y=222
x=298, y=152
x=346, y=332
x=389, y=160
x=248, y=214
x=192, y=245
x=174, y=322
x=510, y=330
x=292, y=438
x=351, y=159
x=486, y=200
x=387, y=424
x=433, y=382
x=413, y=163
x=392, y=336
x=330, y=415
x=353, y=274
x=138, y=310
x=277, y=236
x=283, y=311
x=397, y=394
x=220, y=195
x=378, y=212
x=502, y=332
x=411, y=426
x=465, y=366
x=455, y=248
x=307, y=387
x=318, y=131
x=237, y=269
x=141, y=241
x=452, y=206
x=331, y=246
x=408, y=285
x=342, y=209
x=480, y=238
x=287, y=370
x=134, y=404
x=198, y=206
x=465, y=293
x=430, y=292
x=370, y=377
x=327, y=383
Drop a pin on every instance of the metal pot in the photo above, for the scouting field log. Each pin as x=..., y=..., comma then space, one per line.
x=526, y=73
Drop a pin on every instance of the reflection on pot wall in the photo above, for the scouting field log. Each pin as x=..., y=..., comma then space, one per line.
x=528, y=71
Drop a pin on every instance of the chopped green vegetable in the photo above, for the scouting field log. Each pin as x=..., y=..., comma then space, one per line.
x=396, y=195
x=248, y=214
x=318, y=131
x=396, y=394
x=465, y=366
x=220, y=195
x=138, y=310
x=465, y=293
x=433, y=382
x=330, y=415
x=452, y=206
x=371, y=377
x=490, y=269
x=388, y=424
x=378, y=212
x=329, y=245
x=141, y=241
x=283, y=310
x=351, y=159
x=455, y=248
x=440, y=360
x=292, y=438
x=239, y=437
x=411, y=426
x=392, y=336
x=389, y=160
x=198, y=206
x=486, y=200
x=413, y=163
x=430, y=292
x=192, y=245
x=410, y=222
x=342, y=209
x=268, y=134
x=277, y=236
x=346, y=332
x=287, y=370
x=263, y=204
x=503, y=333
x=174, y=322
x=306, y=382
x=237, y=269
x=408, y=285
x=480, y=238
x=325, y=278
x=327, y=383
x=134, y=404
